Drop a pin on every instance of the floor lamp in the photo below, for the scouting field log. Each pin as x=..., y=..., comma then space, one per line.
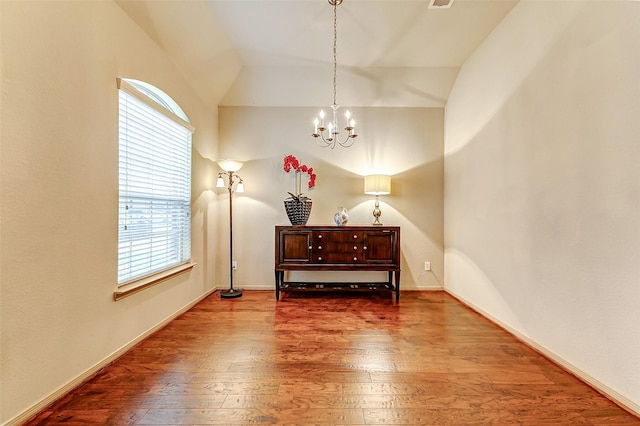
x=230, y=167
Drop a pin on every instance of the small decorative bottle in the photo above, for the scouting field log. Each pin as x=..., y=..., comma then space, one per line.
x=341, y=217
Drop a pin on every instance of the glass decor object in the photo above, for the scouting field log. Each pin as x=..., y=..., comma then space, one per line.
x=341, y=217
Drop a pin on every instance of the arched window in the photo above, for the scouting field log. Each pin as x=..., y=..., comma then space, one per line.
x=154, y=219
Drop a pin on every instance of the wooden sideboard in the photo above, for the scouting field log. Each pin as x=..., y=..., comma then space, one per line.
x=337, y=248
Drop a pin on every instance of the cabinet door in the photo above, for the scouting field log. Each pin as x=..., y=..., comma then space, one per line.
x=381, y=247
x=295, y=247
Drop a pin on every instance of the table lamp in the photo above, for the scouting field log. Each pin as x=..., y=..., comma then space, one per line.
x=377, y=185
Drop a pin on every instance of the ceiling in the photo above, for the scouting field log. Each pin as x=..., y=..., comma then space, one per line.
x=280, y=52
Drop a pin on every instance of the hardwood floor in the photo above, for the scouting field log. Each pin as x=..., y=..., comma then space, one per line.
x=333, y=359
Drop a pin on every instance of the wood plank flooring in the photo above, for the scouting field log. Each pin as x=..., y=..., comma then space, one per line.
x=333, y=359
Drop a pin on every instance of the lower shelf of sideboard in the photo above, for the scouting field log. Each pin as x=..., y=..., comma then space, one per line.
x=347, y=287
x=335, y=286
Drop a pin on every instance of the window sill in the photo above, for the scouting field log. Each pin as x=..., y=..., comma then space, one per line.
x=144, y=283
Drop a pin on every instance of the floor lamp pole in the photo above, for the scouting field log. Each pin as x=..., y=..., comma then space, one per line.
x=231, y=292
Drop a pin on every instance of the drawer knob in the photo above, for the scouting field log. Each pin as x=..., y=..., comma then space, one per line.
x=355, y=259
x=319, y=247
x=355, y=247
x=320, y=236
x=355, y=236
x=319, y=257
x=310, y=247
x=365, y=247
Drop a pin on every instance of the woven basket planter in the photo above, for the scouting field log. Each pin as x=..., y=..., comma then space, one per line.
x=298, y=211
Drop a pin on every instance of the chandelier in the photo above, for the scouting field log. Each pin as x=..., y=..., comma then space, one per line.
x=332, y=129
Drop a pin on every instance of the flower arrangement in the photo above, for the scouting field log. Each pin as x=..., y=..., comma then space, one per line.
x=292, y=163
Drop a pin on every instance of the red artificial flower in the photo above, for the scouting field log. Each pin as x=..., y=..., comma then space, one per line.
x=291, y=162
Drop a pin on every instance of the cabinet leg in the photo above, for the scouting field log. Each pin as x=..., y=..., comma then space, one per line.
x=397, y=285
x=277, y=285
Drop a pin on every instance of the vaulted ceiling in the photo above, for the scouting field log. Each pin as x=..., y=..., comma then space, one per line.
x=280, y=52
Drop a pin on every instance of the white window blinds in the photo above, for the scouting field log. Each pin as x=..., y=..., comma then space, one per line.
x=154, y=224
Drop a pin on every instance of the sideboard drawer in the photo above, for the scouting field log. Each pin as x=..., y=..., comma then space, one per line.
x=337, y=236
x=331, y=247
x=337, y=258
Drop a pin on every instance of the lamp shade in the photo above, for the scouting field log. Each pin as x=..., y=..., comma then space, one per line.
x=377, y=184
x=230, y=165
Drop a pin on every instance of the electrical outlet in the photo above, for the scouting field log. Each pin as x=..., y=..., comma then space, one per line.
x=427, y=266
x=234, y=264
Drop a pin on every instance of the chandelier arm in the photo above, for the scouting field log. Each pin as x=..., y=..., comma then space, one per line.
x=324, y=143
x=333, y=139
x=347, y=143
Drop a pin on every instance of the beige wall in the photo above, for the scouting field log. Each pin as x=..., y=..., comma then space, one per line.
x=404, y=142
x=59, y=194
x=542, y=186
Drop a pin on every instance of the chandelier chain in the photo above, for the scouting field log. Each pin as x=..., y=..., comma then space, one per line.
x=335, y=50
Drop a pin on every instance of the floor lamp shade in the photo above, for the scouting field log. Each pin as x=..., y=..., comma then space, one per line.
x=230, y=165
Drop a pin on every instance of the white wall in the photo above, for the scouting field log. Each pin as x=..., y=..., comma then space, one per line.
x=404, y=142
x=542, y=192
x=59, y=158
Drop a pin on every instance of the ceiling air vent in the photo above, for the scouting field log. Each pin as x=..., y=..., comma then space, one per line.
x=440, y=4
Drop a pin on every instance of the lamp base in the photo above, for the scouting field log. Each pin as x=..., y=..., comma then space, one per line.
x=231, y=293
x=377, y=213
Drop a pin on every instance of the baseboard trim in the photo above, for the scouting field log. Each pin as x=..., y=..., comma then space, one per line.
x=423, y=288
x=605, y=390
x=92, y=371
